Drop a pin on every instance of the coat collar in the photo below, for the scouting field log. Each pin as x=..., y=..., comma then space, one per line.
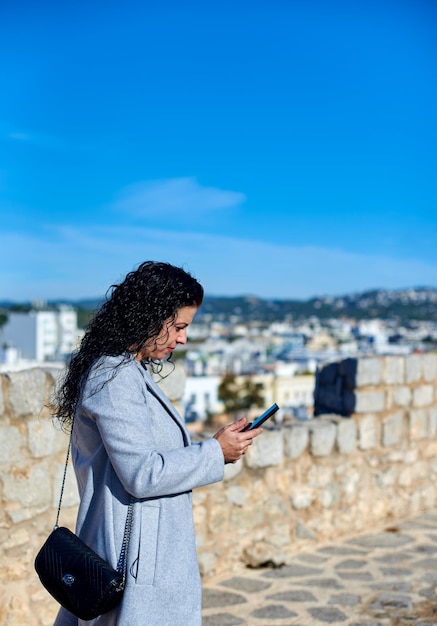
x=156, y=391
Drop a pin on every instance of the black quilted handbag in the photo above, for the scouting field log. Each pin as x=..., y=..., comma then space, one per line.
x=76, y=576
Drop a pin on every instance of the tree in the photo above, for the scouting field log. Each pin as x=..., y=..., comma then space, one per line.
x=237, y=396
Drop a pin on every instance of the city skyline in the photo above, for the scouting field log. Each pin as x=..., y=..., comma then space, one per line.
x=280, y=150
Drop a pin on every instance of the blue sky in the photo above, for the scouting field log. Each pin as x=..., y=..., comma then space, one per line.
x=274, y=148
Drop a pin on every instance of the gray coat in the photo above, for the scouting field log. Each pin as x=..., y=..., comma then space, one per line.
x=125, y=442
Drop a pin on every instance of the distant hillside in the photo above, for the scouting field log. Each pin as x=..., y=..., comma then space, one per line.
x=402, y=305
x=416, y=304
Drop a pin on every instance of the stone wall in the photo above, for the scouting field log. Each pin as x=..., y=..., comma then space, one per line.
x=299, y=485
x=311, y=482
x=32, y=456
x=376, y=385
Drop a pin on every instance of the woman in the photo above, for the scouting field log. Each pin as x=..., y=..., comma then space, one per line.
x=129, y=442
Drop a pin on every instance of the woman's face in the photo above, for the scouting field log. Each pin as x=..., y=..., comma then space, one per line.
x=172, y=333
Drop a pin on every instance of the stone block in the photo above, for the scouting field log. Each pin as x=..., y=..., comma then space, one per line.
x=276, y=508
x=386, y=478
x=243, y=519
x=11, y=444
x=261, y=552
x=232, y=470
x=394, y=370
x=302, y=532
x=418, y=420
x=367, y=432
x=402, y=395
x=217, y=517
x=200, y=537
x=432, y=421
x=199, y=496
x=28, y=486
x=413, y=368
x=301, y=497
x=199, y=516
x=369, y=372
x=329, y=496
x=44, y=439
x=393, y=429
x=411, y=455
x=429, y=497
x=20, y=537
x=423, y=395
x=27, y=392
x=236, y=495
x=322, y=438
x=296, y=440
x=346, y=436
x=369, y=401
x=18, y=513
x=399, y=456
x=420, y=471
x=405, y=477
x=207, y=563
x=55, y=374
x=350, y=483
x=429, y=362
x=318, y=475
x=15, y=609
x=267, y=450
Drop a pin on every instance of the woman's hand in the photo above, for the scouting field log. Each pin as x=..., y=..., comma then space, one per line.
x=234, y=440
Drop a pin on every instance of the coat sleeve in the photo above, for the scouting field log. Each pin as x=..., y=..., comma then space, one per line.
x=122, y=411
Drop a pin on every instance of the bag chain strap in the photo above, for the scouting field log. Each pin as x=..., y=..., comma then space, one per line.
x=122, y=561
x=63, y=478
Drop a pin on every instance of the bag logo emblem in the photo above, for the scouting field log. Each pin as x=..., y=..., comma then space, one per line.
x=68, y=579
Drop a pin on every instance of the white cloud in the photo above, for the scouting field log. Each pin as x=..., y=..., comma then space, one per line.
x=20, y=136
x=180, y=197
x=74, y=263
x=40, y=140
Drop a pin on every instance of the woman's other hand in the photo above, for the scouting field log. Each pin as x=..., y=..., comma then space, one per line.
x=234, y=440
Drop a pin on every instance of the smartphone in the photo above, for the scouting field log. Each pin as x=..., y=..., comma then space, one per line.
x=262, y=418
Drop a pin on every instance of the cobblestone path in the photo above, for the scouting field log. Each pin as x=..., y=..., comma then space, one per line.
x=387, y=578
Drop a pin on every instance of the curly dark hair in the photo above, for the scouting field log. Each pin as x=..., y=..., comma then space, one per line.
x=134, y=313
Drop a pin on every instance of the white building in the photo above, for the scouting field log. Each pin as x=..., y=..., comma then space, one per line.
x=201, y=397
x=41, y=335
x=293, y=392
